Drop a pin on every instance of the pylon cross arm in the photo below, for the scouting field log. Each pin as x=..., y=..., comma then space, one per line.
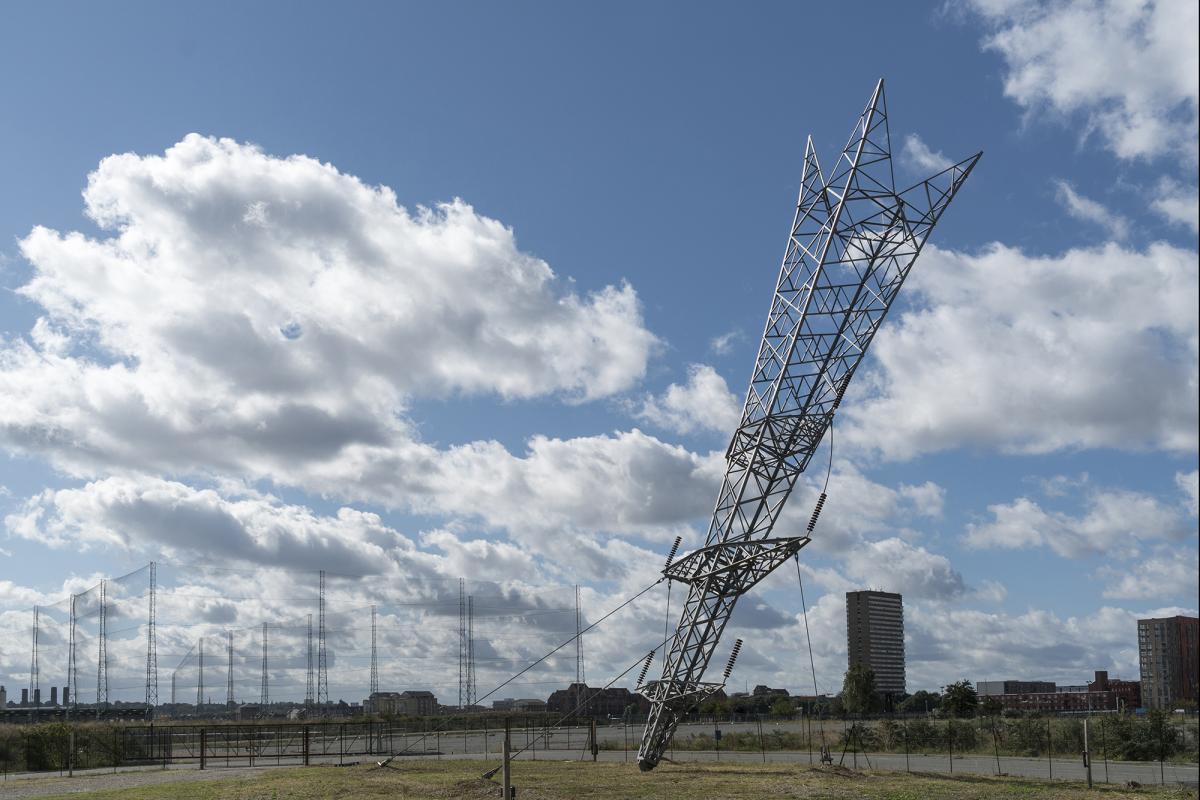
x=747, y=561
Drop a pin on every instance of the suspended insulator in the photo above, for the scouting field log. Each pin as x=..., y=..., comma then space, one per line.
x=812, y=522
x=733, y=654
x=837, y=401
x=674, y=550
x=645, y=668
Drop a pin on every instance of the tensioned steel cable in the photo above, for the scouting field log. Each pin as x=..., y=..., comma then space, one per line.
x=392, y=757
x=546, y=732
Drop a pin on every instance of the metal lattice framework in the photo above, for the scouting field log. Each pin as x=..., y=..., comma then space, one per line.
x=852, y=243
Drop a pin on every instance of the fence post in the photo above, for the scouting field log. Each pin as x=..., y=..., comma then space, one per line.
x=907, y=767
x=762, y=743
x=305, y=745
x=203, y=746
x=595, y=741
x=1087, y=756
x=996, y=745
x=950, y=736
x=1162, y=778
x=1050, y=748
x=71, y=752
x=507, y=758
x=1104, y=744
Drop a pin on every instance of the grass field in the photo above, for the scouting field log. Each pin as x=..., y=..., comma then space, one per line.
x=585, y=781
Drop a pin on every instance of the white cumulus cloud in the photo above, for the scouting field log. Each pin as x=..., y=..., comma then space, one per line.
x=1095, y=347
x=703, y=403
x=1128, y=69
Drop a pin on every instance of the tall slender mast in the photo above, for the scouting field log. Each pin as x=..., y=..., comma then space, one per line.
x=264, y=698
x=580, y=672
x=471, y=694
x=462, y=643
x=35, y=691
x=102, y=651
x=200, y=674
x=309, y=692
x=322, y=670
x=72, y=667
x=853, y=240
x=229, y=701
x=151, y=644
x=374, y=684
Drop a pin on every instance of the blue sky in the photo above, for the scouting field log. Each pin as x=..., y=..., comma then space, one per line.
x=1019, y=458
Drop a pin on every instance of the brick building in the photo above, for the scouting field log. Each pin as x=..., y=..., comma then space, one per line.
x=596, y=702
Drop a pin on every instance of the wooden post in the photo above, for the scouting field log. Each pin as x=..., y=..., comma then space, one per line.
x=595, y=742
x=507, y=757
x=71, y=744
x=306, y=745
x=203, y=746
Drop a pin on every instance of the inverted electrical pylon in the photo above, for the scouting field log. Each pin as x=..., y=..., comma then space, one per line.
x=852, y=243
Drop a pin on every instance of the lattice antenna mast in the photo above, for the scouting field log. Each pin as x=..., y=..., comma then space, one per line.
x=853, y=240
x=309, y=695
x=374, y=688
x=462, y=642
x=322, y=663
x=152, y=643
x=264, y=696
x=580, y=672
x=229, y=701
x=102, y=649
x=35, y=691
x=471, y=689
x=200, y=673
x=72, y=667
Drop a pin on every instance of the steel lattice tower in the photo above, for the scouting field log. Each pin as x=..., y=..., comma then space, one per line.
x=200, y=673
x=309, y=692
x=152, y=644
x=471, y=689
x=72, y=668
x=374, y=687
x=462, y=642
x=322, y=670
x=229, y=668
x=102, y=651
x=35, y=691
x=853, y=240
x=264, y=696
x=580, y=672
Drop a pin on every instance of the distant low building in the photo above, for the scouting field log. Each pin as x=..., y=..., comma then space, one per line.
x=1046, y=697
x=529, y=705
x=988, y=688
x=411, y=703
x=590, y=702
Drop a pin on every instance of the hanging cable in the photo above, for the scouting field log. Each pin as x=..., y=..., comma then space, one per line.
x=546, y=730
x=425, y=736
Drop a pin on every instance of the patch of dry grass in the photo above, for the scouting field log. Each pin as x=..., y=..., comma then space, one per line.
x=548, y=780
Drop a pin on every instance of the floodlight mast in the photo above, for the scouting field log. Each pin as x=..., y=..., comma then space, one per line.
x=853, y=240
